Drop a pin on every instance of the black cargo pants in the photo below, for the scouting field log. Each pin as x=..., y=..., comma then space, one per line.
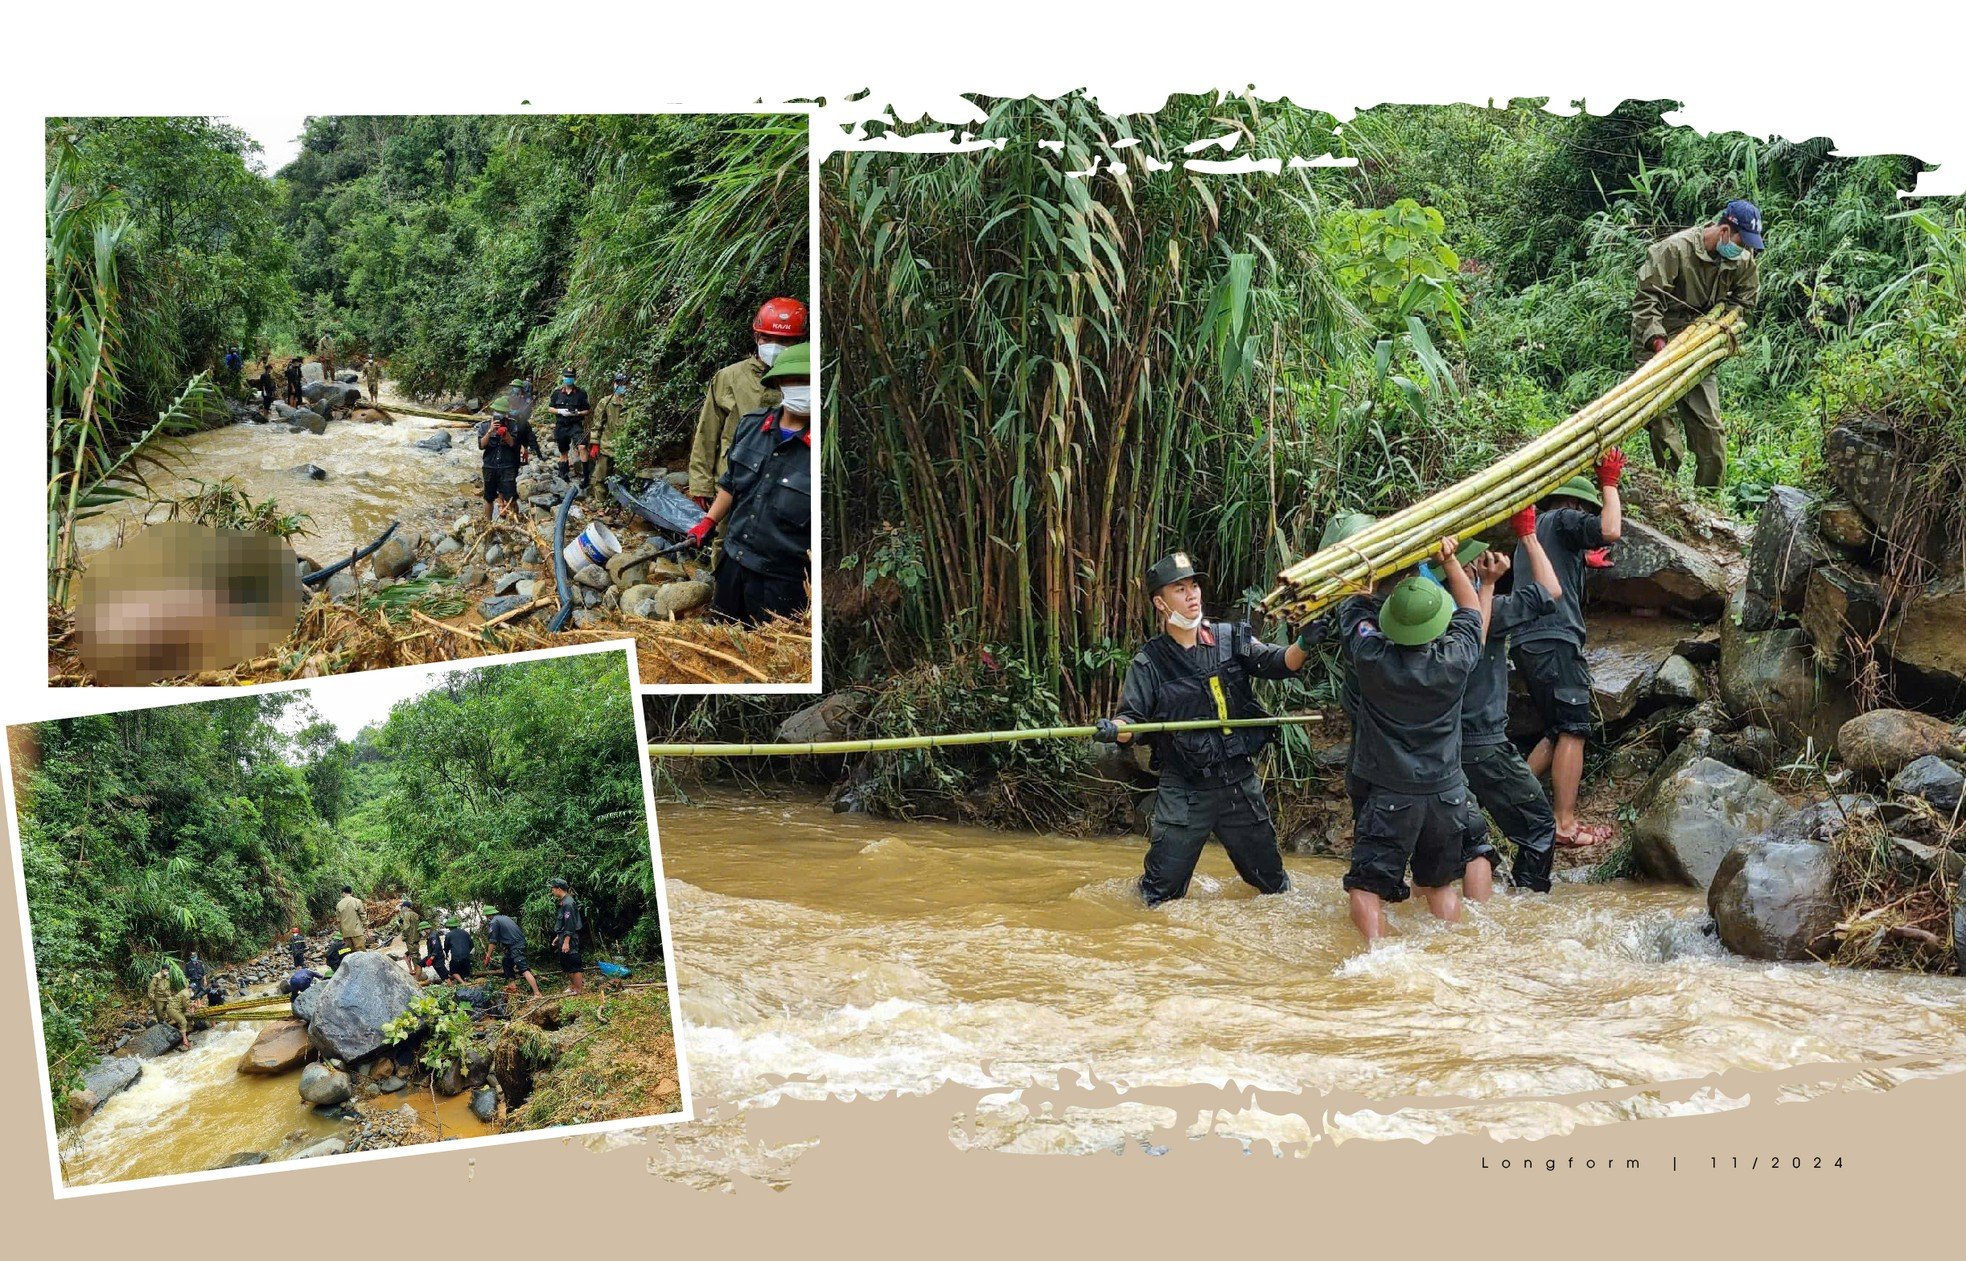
x=1186, y=815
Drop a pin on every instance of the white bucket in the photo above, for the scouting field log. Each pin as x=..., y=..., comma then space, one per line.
x=593, y=547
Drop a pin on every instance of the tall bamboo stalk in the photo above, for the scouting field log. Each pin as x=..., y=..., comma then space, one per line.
x=892, y=744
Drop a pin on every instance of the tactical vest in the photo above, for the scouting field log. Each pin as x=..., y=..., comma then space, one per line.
x=1208, y=682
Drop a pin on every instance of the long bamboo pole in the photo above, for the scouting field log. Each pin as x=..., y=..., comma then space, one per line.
x=894, y=743
x=1479, y=502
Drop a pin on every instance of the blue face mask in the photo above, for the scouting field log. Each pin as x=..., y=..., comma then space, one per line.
x=566, y=380
x=1728, y=250
x=620, y=389
x=1432, y=575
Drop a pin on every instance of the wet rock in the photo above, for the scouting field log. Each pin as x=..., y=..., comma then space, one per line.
x=1928, y=641
x=240, y=1160
x=446, y=545
x=1933, y=780
x=1839, y=522
x=1678, y=680
x=312, y=373
x=1693, y=810
x=829, y=718
x=1769, y=678
x=1649, y=570
x=394, y=558
x=484, y=1104
x=439, y=441
x=1779, y=561
x=367, y=992
x=108, y=1077
x=1776, y=899
x=343, y=584
x=1883, y=742
x=1933, y=859
x=390, y=1085
x=1824, y=821
x=498, y=606
x=1861, y=457
x=281, y=1045
x=312, y=422
x=1706, y=716
x=1701, y=648
x=152, y=1042
x=326, y=1147
x=676, y=598
x=310, y=473
x=592, y=576
x=1753, y=749
x=1623, y=654
x=494, y=554
x=471, y=576
x=325, y=1086
x=1839, y=604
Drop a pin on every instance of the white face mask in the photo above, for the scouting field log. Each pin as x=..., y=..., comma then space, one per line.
x=768, y=351
x=797, y=398
x=1183, y=621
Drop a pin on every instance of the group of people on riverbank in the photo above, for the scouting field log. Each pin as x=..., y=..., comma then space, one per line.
x=750, y=471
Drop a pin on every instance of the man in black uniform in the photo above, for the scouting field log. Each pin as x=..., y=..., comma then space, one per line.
x=337, y=951
x=504, y=931
x=431, y=962
x=1208, y=780
x=457, y=951
x=297, y=947
x=1412, y=654
x=566, y=934
x=264, y=384
x=505, y=440
x=293, y=375
x=569, y=407
x=765, y=495
x=1498, y=777
x=194, y=972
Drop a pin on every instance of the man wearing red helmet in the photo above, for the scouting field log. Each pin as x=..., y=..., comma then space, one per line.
x=739, y=390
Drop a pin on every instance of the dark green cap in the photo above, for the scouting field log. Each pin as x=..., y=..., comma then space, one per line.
x=1581, y=487
x=1415, y=613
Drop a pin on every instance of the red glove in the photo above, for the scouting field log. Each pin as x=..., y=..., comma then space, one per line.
x=1658, y=344
x=701, y=531
x=701, y=501
x=1610, y=467
x=1524, y=522
x=1598, y=558
x=593, y=450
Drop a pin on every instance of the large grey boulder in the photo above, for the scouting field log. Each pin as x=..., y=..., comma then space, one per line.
x=110, y=1076
x=1839, y=605
x=311, y=373
x=1774, y=899
x=311, y=421
x=152, y=1042
x=1769, y=678
x=367, y=992
x=394, y=558
x=829, y=718
x=1649, y=570
x=1932, y=780
x=1879, y=744
x=1927, y=642
x=324, y=1086
x=1784, y=551
x=1694, y=810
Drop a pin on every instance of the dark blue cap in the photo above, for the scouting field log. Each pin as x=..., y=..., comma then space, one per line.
x=1744, y=217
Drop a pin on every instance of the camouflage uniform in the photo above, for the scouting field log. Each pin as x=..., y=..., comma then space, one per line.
x=1679, y=282
x=604, y=417
x=372, y=373
x=325, y=353
x=168, y=1006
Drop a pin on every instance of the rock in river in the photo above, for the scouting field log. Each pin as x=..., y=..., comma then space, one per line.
x=110, y=1075
x=1775, y=899
x=324, y=1087
x=153, y=1041
x=367, y=992
x=1883, y=742
x=1694, y=810
x=484, y=1104
x=282, y=1045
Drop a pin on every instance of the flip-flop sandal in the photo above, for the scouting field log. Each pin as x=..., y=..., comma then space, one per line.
x=1586, y=835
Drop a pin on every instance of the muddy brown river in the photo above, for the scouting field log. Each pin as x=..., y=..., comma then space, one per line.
x=867, y=956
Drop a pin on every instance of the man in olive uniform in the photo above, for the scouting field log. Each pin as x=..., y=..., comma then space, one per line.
x=167, y=1005
x=348, y=918
x=1684, y=277
x=606, y=414
x=407, y=923
x=739, y=390
x=764, y=500
x=567, y=925
x=569, y=407
x=372, y=373
x=325, y=353
x=1208, y=781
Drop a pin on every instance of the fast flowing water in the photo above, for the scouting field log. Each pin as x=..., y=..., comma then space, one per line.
x=375, y=475
x=872, y=956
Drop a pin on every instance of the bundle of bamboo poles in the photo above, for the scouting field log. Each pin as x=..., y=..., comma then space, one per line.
x=1474, y=504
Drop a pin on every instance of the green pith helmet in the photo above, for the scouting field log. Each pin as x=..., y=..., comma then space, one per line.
x=793, y=361
x=488, y=911
x=453, y=922
x=1172, y=567
x=518, y=383
x=1343, y=526
x=1581, y=487
x=424, y=927
x=1415, y=613
x=1469, y=550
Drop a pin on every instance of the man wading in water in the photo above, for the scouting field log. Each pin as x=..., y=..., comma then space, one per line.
x=1208, y=779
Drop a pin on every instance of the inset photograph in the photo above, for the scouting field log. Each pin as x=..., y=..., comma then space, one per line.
x=331, y=393
x=415, y=908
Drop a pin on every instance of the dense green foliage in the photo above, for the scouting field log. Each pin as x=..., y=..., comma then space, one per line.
x=1056, y=363
x=216, y=826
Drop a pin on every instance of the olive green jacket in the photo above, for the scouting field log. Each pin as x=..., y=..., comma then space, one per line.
x=734, y=393
x=348, y=917
x=606, y=414
x=1680, y=281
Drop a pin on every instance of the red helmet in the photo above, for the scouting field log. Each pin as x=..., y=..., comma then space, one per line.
x=781, y=317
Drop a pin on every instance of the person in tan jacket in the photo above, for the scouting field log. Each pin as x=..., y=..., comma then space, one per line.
x=348, y=918
x=739, y=390
x=1683, y=277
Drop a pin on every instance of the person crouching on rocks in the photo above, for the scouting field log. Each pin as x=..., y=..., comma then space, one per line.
x=457, y=951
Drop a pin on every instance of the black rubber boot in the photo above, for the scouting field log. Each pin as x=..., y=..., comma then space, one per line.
x=1531, y=868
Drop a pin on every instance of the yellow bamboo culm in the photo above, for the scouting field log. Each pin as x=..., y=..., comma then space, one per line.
x=1474, y=504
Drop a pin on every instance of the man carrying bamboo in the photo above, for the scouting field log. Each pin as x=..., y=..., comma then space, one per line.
x=1684, y=277
x=1196, y=669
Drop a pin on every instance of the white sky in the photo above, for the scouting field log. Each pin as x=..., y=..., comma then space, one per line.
x=353, y=701
x=278, y=135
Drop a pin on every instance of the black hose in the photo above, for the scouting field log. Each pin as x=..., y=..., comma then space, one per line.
x=322, y=575
x=559, y=621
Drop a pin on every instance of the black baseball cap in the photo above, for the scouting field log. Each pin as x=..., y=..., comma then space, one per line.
x=1172, y=567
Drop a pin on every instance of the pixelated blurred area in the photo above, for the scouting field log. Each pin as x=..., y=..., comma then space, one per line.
x=182, y=599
